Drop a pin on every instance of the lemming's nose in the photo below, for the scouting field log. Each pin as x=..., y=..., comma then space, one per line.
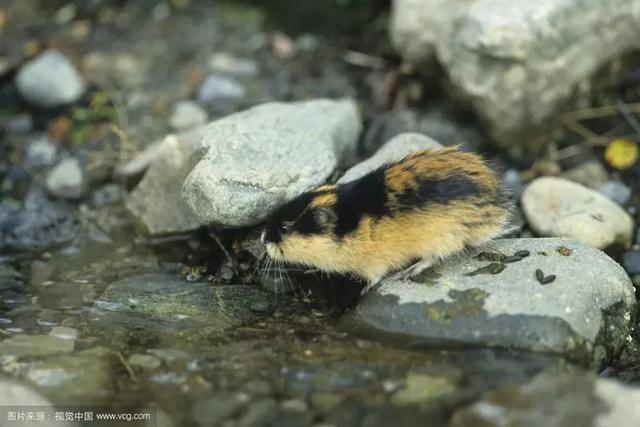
x=263, y=235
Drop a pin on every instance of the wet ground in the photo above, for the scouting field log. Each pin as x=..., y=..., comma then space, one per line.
x=203, y=351
x=177, y=323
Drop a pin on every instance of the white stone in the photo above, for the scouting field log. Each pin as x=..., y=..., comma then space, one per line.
x=50, y=80
x=558, y=207
x=187, y=115
x=66, y=179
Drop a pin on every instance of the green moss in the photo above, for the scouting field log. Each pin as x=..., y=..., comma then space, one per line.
x=469, y=303
x=493, y=268
x=428, y=277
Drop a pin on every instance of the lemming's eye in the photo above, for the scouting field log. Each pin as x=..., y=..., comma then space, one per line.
x=285, y=226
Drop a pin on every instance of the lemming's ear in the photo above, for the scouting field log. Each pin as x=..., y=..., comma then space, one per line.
x=326, y=216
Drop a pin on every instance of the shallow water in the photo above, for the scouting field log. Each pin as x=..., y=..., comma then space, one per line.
x=212, y=346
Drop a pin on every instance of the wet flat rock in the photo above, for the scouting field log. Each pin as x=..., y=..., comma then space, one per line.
x=565, y=297
x=159, y=301
x=34, y=345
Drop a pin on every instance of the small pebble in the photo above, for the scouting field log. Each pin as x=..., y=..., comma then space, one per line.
x=40, y=153
x=295, y=405
x=21, y=123
x=616, y=191
x=187, y=115
x=50, y=80
x=144, y=361
x=223, y=62
x=226, y=272
x=283, y=46
x=631, y=262
x=108, y=194
x=216, y=88
x=513, y=182
x=590, y=173
x=66, y=179
x=260, y=306
x=64, y=332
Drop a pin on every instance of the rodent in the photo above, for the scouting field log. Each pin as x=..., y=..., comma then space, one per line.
x=428, y=206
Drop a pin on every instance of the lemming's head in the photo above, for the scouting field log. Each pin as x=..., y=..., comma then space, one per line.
x=302, y=230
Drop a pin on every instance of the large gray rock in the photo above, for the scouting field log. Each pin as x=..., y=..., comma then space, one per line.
x=50, y=80
x=41, y=153
x=259, y=159
x=155, y=203
x=558, y=207
x=556, y=399
x=516, y=61
x=585, y=313
x=394, y=150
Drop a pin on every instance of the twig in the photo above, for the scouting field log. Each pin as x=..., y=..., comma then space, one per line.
x=126, y=366
x=580, y=129
x=226, y=253
x=593, y=113
x=629, y=117
x=363, y=60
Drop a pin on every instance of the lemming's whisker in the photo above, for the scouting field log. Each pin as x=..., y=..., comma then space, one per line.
x=259, y=262
x=292, y=285
x=280, y=282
